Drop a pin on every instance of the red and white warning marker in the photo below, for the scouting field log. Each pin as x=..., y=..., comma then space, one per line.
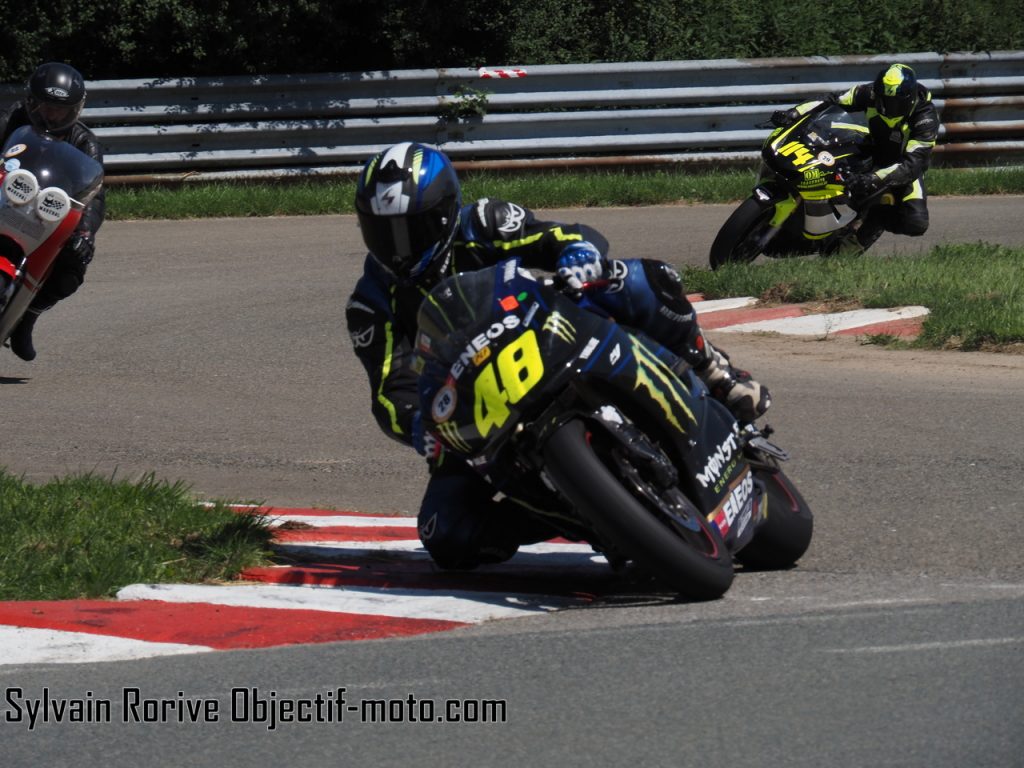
x=742, y=315
x=371, y=579
x=501, y=73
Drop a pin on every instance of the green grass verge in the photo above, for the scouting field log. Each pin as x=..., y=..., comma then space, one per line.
x=85, y=537
x=541, y=189
x=975, y=292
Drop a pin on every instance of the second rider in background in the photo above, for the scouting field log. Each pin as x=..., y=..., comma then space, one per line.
x=904, y=126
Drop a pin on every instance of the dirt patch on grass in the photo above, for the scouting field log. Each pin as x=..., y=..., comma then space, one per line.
x=832, y=305
x=780, y=293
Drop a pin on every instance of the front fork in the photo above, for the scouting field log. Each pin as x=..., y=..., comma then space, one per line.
x=785, y=206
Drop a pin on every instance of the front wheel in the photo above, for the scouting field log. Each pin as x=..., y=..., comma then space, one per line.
x=657, y=528
x=739, y=239
x=784, y=533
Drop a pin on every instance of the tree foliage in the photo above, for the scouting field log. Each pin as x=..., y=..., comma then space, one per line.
x=109, y=39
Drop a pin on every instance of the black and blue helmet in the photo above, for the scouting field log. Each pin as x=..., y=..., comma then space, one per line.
x=408, y=202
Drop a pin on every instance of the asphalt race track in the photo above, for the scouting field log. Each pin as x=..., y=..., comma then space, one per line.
x=214, y=351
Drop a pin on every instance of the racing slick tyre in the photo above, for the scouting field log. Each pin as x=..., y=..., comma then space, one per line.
x=737, y=240
x=658, y=528
x=784, y=532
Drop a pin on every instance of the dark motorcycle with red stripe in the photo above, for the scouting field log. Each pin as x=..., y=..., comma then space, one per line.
x=45, y=184
x=601, y=433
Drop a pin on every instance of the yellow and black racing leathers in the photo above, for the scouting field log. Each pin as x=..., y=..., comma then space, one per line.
x=902, y=150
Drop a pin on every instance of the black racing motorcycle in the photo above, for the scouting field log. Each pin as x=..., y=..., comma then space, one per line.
x=590, y=426
x=801, y=203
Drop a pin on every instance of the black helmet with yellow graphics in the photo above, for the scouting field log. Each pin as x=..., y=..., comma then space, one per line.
x=896, y=91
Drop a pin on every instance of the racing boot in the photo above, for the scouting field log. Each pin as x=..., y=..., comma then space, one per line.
x=874, y=223
x=21, y=338
x=744, y=397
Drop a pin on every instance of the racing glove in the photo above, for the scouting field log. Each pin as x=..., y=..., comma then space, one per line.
x=82, y=246
x=426, y=443
x=784, y=117
x=578, y=264
x=863, y=185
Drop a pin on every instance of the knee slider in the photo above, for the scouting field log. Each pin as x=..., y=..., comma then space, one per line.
x=450, y=546
x=915, y=225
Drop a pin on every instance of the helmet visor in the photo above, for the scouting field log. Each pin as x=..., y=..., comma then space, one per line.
x=900, y=105
x=402, y=242
x=47, y=116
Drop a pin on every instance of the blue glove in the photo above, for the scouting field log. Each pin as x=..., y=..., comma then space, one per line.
x=426, y=443
x=580, y=263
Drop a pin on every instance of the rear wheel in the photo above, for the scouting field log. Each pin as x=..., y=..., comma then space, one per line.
x=784, y=535
x=656, y=527
x=738, y=241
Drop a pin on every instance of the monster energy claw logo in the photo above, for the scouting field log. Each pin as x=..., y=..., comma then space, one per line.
x=450, y=434
x=656, y=377
x=561, y=327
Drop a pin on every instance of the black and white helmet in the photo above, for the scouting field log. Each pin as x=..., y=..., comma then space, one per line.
x=408, y=202
x=54, y=97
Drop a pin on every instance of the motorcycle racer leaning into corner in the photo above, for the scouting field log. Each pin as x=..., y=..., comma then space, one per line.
x=410, y=212
x=54, y=97
x=904, y=125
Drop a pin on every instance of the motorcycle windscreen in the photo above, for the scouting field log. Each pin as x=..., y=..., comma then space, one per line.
x=54, y=163
x=462, y=327
x=451, y=308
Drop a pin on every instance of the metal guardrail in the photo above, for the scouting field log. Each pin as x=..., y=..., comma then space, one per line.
x=697, y=112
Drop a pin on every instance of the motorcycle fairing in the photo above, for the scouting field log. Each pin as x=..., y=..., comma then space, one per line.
x=31, y=272
x=812, y=154
x=498, y=348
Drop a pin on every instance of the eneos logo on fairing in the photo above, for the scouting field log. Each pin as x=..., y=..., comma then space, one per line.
x=478, y=348
x=737, y=505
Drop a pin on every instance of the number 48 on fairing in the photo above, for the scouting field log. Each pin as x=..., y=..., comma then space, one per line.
x=518, y=367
